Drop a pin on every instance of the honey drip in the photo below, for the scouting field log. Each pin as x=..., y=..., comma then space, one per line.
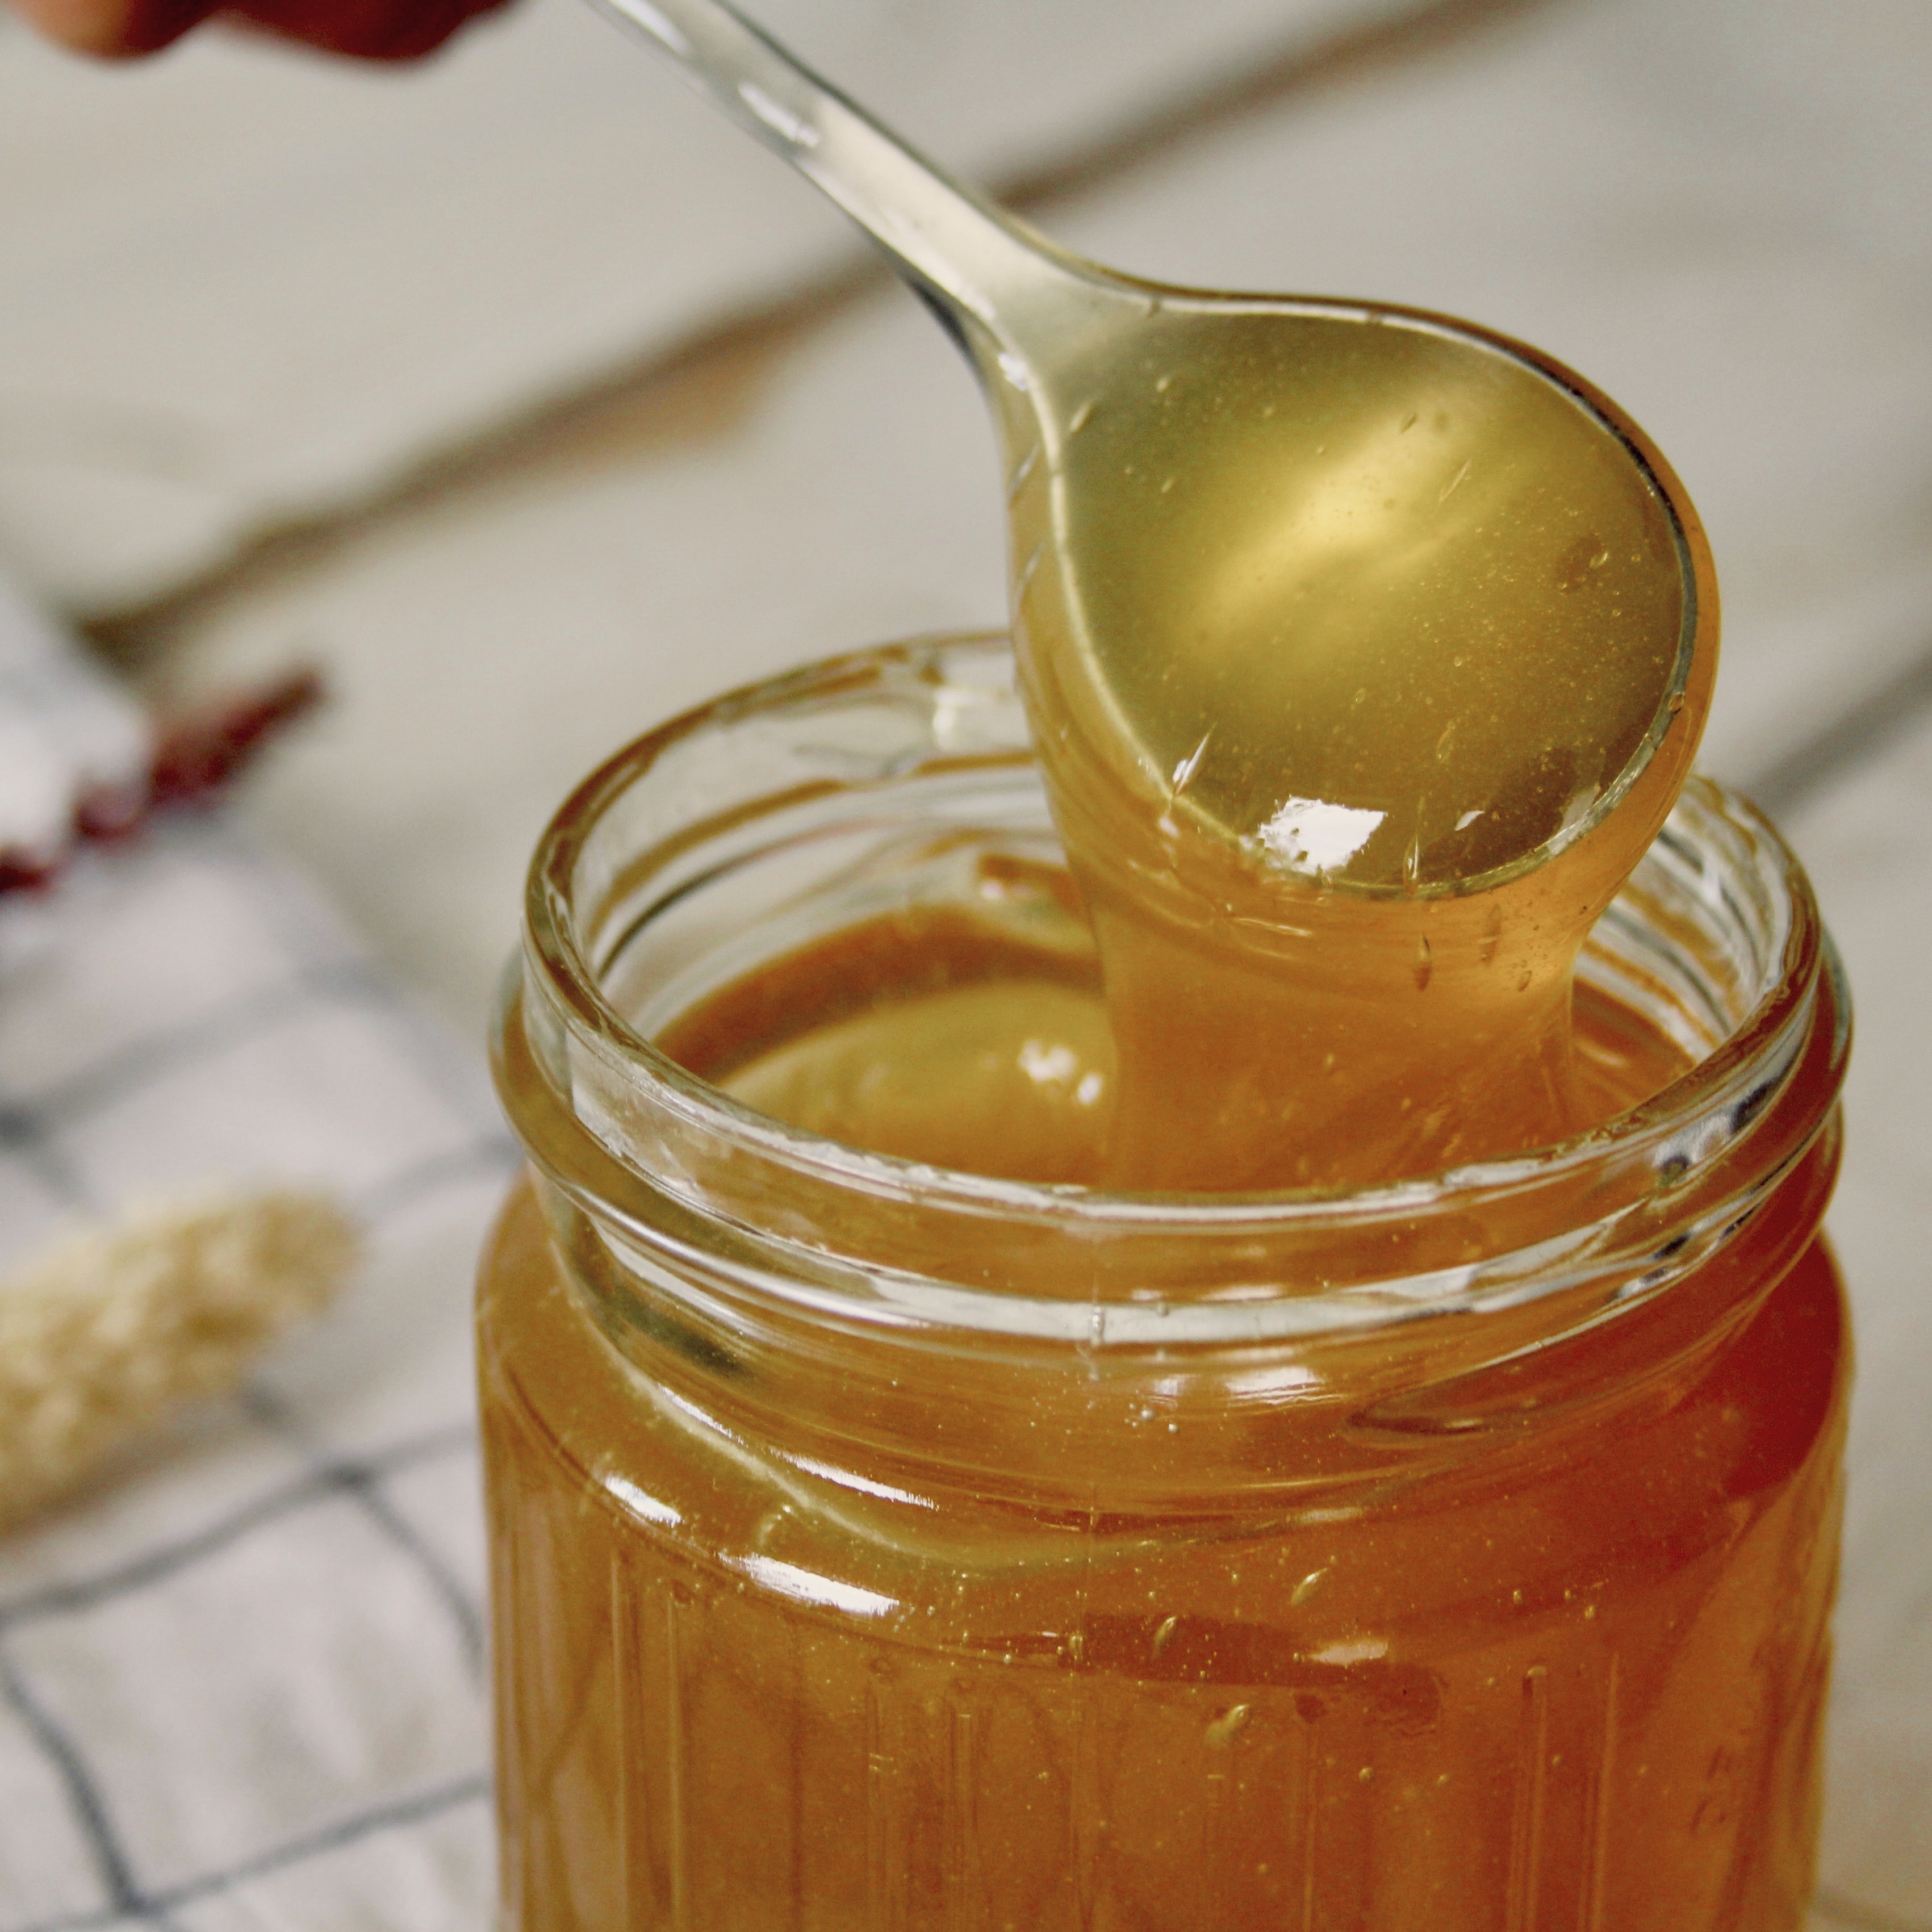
x=938, y=1037
x=1359, y=684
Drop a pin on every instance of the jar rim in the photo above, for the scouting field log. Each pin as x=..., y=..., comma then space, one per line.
x=1689, y=1127
x=1661, y=1123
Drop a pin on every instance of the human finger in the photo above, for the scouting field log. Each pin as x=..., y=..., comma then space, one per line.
x=385, y=30
x=114, y=29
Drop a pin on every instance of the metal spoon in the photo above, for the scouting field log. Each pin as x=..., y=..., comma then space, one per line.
x=1382, y=600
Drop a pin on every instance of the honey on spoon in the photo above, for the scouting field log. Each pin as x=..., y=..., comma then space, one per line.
x=1366, y=653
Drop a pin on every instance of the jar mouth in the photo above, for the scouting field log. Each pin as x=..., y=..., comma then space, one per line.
x=1716, y=938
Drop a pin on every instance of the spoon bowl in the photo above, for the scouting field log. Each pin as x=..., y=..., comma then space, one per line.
x=1398, y=606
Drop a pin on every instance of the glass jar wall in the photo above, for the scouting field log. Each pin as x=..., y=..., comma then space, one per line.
x=877, y=1545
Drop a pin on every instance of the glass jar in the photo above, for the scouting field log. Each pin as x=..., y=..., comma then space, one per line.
x=879, y=1546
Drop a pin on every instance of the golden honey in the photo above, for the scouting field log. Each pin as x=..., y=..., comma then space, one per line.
x=893, y=1528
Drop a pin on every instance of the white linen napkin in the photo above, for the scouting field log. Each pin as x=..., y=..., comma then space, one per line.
x=240, y=1680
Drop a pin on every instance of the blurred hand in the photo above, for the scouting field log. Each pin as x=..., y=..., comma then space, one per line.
x=371, y=29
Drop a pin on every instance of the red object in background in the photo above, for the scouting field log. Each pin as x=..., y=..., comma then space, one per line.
x=195, y=756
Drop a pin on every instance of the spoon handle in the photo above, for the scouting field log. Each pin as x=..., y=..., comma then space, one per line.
x=963, y=254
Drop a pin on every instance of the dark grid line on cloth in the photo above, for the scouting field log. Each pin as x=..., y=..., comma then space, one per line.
x=346, y=1477
x=84, y=1797
x=316, y=971
x=353, y=1477
x=154, y=1566
x=342, y=984
x=437, y=1802
x=348, y=985
x=24, y=1134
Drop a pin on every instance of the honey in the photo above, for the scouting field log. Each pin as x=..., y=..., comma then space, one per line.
x=938, y=1038
x=922, y=1536
x=1574, y=1683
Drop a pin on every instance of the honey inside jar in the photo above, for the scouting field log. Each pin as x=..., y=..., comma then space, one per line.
x=984, y=1044
x=879, y=1545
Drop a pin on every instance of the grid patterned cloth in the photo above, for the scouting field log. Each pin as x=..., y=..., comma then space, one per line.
x=241, y=1684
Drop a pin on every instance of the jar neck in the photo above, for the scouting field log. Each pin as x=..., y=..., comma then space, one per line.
x=1287, y=1422
x=871, y=1312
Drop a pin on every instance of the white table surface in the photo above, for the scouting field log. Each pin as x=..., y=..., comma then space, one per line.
x=1724, y=215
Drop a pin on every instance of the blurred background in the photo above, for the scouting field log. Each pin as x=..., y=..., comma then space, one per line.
x=530, y=403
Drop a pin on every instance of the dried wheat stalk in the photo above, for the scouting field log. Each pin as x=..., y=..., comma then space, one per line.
x=102, y=1337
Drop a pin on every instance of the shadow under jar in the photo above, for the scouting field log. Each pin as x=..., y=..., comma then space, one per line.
x=877, y=1545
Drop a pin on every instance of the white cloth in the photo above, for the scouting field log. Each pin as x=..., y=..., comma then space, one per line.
x=240, y=1683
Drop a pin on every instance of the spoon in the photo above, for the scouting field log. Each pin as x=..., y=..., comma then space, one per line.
x=1368, y=599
